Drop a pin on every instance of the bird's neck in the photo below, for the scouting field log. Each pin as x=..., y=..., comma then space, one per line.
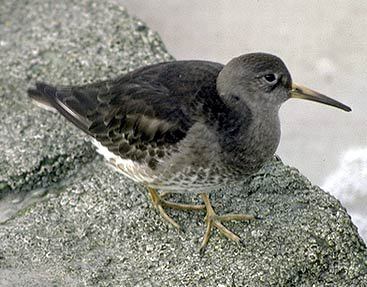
x=252, y=139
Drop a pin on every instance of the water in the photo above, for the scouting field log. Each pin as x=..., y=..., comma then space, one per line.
x=348, y=183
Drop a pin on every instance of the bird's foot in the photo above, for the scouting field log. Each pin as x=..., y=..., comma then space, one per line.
x=214, y=220
x=160, y=204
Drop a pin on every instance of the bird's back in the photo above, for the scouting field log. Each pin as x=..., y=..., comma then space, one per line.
x=141, y=116
x=164, y=90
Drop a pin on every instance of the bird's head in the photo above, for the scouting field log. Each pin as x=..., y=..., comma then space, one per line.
x=262, y=81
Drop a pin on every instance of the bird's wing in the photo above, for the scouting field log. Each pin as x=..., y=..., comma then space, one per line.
x=151, y=107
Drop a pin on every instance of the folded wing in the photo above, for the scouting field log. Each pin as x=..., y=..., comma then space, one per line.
x=141, y=115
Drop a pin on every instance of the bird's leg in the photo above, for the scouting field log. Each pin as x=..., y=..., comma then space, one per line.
x=179, y=206
x=214, y=220
x=159, y=203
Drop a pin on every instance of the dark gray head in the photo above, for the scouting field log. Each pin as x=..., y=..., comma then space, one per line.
x=262, y=81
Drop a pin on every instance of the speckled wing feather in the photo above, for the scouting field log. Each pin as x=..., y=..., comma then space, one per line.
x=142, y=114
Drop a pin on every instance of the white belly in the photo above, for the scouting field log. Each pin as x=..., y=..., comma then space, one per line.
x=181, y=181
x=133, y=170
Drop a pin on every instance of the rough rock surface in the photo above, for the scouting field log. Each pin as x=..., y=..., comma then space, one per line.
x=89, y=226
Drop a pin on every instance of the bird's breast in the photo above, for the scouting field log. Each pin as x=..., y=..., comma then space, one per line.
x=256, y=144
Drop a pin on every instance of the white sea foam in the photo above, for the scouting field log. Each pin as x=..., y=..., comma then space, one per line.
x=349, y=184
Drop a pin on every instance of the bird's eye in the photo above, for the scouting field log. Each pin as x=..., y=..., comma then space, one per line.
x=270, y=78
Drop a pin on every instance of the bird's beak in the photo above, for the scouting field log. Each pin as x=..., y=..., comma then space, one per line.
x=301, y=92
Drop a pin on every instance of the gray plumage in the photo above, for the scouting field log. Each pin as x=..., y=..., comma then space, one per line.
x=186, y=126
x=182, y=125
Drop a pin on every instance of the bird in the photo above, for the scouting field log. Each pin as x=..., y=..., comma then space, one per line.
x=185, y=126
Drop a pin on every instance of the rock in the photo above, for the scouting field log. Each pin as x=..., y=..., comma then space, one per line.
x=89, y=226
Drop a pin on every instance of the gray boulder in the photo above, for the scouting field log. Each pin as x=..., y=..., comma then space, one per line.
x=69, y=220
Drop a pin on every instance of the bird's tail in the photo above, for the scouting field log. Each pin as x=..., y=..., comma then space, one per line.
x=43, y=95
x=73, y=105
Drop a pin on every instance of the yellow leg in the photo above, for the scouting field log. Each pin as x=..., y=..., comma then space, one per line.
x=159, y=203
x=212, y=219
